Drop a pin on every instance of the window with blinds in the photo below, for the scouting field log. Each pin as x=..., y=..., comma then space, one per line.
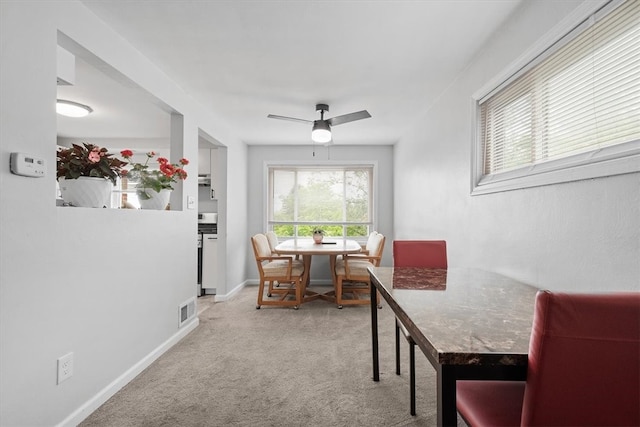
x=576, y=104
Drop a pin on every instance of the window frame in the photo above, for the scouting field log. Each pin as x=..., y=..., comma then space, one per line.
x=608, y=161
x=373, y=165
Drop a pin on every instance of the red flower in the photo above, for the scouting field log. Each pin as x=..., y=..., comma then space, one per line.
x=181, y=173
x=151, y=154
x=184, y=161
x=124, y=172
x=162, y=160
x=126, y=153
x=167, y=169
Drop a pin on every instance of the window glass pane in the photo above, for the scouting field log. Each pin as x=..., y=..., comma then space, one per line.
x=357, y=195
x=283, y=199
x=320, y=196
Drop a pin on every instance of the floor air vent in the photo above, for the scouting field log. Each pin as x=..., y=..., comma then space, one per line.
x=187, y=311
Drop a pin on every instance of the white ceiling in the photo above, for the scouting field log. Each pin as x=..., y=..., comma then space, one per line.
x=247, y=59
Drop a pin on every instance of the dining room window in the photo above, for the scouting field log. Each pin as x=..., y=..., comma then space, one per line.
x=337, y=199
x=570, y=113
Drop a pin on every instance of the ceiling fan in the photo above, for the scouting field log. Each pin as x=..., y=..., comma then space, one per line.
x=321, y=131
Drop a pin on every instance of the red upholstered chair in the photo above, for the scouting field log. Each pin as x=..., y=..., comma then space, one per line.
x=415, y=253
x=583, y=367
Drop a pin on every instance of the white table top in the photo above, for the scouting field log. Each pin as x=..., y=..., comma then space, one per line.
x=329, y=246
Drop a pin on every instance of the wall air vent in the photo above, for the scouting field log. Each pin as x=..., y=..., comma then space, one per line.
x=187, y=311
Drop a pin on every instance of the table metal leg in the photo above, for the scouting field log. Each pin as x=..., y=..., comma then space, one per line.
x=374, y=330
x=447, y=412
x=412, y=378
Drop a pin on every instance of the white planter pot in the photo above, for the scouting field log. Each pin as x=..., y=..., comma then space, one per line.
x=158, y=201
x=85, y=191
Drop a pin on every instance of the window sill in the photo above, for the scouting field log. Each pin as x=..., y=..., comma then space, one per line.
x=610, y=161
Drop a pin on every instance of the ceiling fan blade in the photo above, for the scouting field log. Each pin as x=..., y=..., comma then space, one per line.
x=346, y=118
x=291, y=119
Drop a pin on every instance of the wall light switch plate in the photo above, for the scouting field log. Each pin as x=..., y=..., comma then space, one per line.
x=191, y=202
x=27, y=165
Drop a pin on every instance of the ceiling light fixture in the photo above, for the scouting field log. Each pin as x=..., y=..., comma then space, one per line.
x=321, y=132
x=72, y=109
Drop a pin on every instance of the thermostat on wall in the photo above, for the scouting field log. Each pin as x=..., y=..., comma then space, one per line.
x=26, y=165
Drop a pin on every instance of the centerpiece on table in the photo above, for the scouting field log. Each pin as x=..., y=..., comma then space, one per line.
x=84, y=172
x=154, y=185
x=318, y=235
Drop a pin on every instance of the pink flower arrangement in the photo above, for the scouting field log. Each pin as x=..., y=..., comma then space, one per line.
x=87, y=160
x=154, y=179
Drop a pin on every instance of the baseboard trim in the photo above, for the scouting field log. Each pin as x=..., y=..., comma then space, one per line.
x=232, y=292
x=95, y=402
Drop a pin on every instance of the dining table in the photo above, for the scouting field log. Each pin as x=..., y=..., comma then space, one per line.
x=469, y=323
x=306, y=248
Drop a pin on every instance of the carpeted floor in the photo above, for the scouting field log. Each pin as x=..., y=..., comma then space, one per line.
x=275, y=367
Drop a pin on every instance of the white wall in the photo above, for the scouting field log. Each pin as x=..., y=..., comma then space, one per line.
x=579, y=236
x=104, y=284
x=258, y=155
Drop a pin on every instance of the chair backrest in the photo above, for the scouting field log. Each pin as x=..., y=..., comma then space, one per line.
x=261, y=246
x=273, y=240
x=420, y=253
x=584, y=358
x=372, y=241
x=376, y=248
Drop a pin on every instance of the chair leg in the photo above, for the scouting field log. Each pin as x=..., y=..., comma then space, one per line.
x=299, y=295
x=339, y=292
x=397, y=348
x=260, y=291
x=412, y=376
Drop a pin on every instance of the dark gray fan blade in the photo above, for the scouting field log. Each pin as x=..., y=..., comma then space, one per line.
x=346, y=118
x=291, y=119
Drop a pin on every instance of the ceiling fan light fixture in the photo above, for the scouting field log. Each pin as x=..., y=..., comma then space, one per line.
x=321, y=132
x=72, y=109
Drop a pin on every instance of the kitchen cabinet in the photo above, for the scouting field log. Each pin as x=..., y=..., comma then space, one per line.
x=208, y=162
x=204, y=161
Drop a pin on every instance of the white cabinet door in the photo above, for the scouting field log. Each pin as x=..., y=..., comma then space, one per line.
x=204, y=161
x=209, y=262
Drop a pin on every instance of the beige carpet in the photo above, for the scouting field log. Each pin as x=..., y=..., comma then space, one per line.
x=275, y=367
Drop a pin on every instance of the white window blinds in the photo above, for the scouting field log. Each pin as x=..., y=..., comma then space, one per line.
x=583, y=94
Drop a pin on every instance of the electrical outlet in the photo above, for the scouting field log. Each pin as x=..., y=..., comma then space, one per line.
x=65, y=367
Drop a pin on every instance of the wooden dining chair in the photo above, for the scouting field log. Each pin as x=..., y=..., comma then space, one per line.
x=415, y=253
x=352, y=276
x=583, y=367
x=280, y=268
x=272, y=238
x=372, y=242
